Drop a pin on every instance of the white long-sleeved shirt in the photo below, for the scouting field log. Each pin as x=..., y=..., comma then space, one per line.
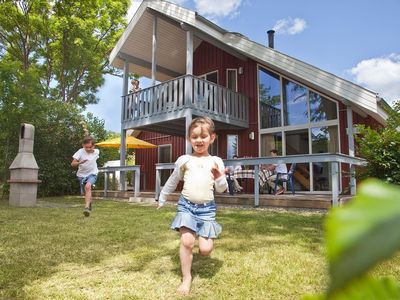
x=198, y=181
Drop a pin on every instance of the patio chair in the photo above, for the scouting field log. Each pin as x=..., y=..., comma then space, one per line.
x=288, y=178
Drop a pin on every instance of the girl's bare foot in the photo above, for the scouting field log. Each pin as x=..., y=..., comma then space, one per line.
x=184, y=288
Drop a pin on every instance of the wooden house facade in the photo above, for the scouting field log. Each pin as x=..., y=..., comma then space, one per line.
x=260, y=99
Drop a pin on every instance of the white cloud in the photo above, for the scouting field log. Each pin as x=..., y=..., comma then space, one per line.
x=381, y=75
x=217, y=9
x=290, y=26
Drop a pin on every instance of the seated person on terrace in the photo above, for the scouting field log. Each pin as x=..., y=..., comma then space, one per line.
x=276, y=168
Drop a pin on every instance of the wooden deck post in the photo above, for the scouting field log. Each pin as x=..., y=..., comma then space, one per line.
x=256, y=186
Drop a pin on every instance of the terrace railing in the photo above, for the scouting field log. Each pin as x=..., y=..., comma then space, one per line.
x=110, y=170
x=334, y=159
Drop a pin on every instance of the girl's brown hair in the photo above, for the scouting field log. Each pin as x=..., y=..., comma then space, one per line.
x=88, y=140
x=199, y=121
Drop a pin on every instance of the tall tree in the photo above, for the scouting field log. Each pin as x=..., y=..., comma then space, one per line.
x=53, y=55
x=65, y=43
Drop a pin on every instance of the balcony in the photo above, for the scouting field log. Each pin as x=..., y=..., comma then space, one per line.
x=164, y=107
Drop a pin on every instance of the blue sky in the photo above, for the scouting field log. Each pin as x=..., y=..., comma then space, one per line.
x=358, y=40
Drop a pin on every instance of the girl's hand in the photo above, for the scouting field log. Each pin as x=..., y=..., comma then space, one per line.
x=161, y=202
x=216, y=172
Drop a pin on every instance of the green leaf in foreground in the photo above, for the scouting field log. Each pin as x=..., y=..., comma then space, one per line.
x=363, y=233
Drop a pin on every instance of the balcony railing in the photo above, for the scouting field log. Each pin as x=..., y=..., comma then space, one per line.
x=186, y=92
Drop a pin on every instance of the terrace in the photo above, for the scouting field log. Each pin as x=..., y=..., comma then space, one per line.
x=299, y=200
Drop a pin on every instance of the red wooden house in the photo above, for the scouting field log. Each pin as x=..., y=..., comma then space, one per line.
x=259, y=98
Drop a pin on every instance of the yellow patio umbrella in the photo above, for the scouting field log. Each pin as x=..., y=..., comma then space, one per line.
x=131, y=143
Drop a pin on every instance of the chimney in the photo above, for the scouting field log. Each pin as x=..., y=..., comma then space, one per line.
x=271, y=38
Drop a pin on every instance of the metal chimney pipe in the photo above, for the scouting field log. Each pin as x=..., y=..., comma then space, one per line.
x=271, y=38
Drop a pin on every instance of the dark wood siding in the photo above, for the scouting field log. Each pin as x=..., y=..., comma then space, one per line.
x=208, y=58
x=147, y=158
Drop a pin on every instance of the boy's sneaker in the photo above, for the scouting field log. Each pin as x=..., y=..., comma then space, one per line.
x=86, y=212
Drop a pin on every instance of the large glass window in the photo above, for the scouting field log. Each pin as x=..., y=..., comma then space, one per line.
x=270, y=99
x=271, y=141
x=295, y=107
x=324, y=139
x=297, y=142
x=310, y=125
x=321, y=178
x=321, y=109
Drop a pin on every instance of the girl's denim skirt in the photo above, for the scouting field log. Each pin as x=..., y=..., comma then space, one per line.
x=199, y=218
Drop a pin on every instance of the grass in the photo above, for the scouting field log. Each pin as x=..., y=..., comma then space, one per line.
x=126, y=251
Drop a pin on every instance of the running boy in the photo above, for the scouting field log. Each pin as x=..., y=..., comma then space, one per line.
x=85, y=159
x=200, y=173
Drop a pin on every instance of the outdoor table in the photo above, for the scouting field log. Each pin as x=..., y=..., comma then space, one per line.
x=263, y=175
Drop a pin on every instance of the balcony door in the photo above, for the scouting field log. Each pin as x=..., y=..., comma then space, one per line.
x=212, y=77
x=231, y=79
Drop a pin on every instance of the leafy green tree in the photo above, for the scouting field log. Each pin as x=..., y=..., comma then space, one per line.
x=381, y=148
x=65, y=43
x=53, y=55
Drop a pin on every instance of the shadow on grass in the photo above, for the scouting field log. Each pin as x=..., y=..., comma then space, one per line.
x=35, y=241
x=202, y=266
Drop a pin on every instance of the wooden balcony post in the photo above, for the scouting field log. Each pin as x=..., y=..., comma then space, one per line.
x=154, y=52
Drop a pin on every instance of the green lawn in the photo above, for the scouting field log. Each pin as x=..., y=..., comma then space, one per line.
x=127, y=251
